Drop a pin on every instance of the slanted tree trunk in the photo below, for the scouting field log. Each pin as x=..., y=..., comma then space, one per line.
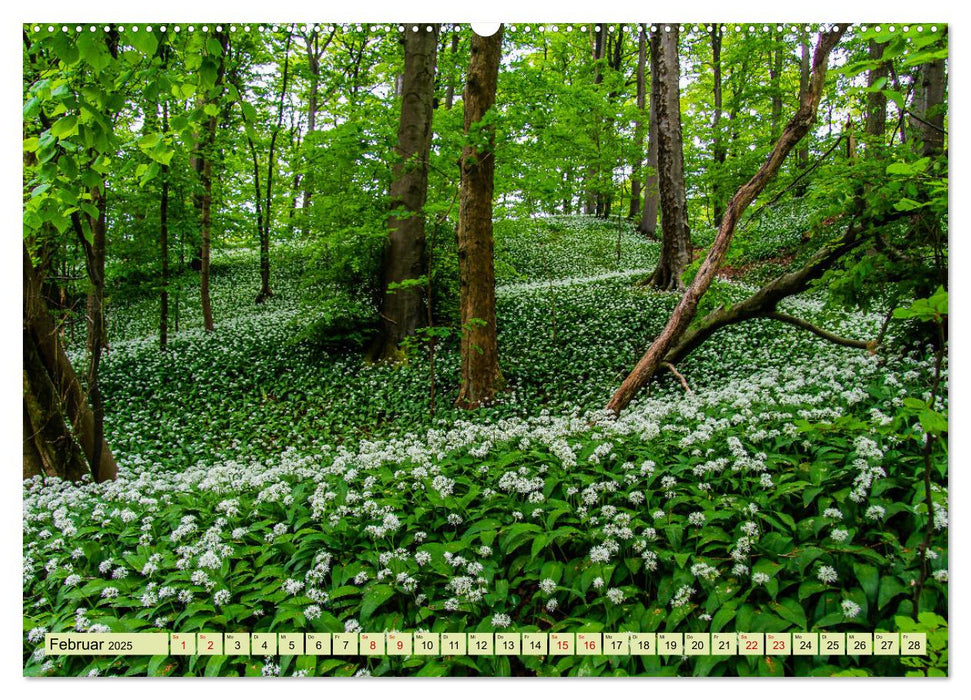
x=675, y=241
x=635, y=179
x=481, y=377
x=55, y=399
x=684, y=312
x=402, y=309
x=718, y=145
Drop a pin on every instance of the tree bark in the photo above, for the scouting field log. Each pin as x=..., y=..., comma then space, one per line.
x=450, y=89
x=775, y=79
x=648, y=225
x=802, y=154
x=54, y=398
x=204, y=158
x=675, y=242
x=163, y=235
x=718, y=146
x=402, y=309
x=314, y=53
x=685, y=311
x=928, y=123
x=265, y=291
x=481, y=377
x=876, y=102
x=635, y=180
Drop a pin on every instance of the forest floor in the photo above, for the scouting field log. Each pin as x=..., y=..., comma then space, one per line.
x=268, y=484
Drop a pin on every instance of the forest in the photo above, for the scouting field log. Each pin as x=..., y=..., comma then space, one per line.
x=568, y=328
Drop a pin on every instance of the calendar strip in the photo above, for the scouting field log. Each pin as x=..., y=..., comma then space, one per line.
x=488, y=644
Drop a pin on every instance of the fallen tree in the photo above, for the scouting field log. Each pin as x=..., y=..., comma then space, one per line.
x=685, y=311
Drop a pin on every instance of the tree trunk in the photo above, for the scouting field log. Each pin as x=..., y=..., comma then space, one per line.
x=205, y=224
x=675, y=242
x=648, y=225
x=928, y=122
x=635, y=179
x=314, y=53
x=876, y=102
x=402, y=309
x=204, y=168
x=481, y=377
x=450, y=89
x=684, y=312
x=265, y=291
x=802, y=154
x=775, y=78
x=718, y=146
x=163, y=235
x=48, y=373
x=96, y=320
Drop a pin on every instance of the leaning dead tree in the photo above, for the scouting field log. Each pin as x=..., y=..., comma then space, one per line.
x=684, y=312
x=60, y=430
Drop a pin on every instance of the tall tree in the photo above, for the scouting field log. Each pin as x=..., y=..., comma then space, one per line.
x=684, y=312
x=928, y=120
x=635, y=180
x=401, y=303
x=209, y=97
x=648, y=224
x=876, y=101
x=775, y=82
x=802, y=153
x=315, y=51
x=675, y=241
x=481, y=377
x=718, y=146
x=265, y=221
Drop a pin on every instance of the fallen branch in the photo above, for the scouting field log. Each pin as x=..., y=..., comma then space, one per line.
x=816, y=330
x=674, y=370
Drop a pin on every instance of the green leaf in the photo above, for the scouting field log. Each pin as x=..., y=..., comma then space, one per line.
x=31, y=144
x=373, y=598
x=249, y=111
x=65, y=127
x=144, y=41
x=869, y=579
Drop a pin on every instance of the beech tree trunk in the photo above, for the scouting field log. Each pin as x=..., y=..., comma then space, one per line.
x=267, y=218
x=402, y=309
x=675, y=242
x=635, y=180
x=450, y=88
x=802, y=154
x=204, y=168
x=163, y=236
x=481, y=377
x=685, y=311
x=775, y=79
x=928, y=122
x=648, y=225
x=718, y=146
x=876, y=102
x=54, y=399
